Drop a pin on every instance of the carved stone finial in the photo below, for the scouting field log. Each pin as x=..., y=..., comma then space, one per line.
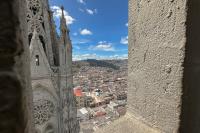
x=62, y=8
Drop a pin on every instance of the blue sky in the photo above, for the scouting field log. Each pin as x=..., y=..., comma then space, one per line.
x=98, y=28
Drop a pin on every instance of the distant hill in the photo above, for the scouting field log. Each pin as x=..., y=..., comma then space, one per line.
x=113, y=64
x=102, y=63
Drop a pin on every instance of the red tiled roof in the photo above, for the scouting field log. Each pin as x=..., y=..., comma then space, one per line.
x=78, y=91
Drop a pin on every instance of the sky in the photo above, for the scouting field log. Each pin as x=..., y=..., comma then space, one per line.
x=98, y=28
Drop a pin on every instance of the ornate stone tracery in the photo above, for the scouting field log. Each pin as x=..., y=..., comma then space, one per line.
x=34, y=6
x=35, y=17
x=43, y=111
x=40, y=22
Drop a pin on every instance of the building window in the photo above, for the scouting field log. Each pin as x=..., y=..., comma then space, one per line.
x=37, y=61
x=30, y=37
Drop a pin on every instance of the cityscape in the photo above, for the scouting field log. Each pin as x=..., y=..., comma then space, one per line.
x=78, y=75
x=101, y=92
x=99, y=66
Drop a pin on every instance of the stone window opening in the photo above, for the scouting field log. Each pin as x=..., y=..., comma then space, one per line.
x=29, y=38
x=37, y=60
x=43, y=42
x=43, y=25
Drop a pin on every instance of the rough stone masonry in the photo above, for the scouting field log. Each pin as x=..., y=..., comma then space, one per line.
x=15, y=87
x=156, y=55
x=164, y=74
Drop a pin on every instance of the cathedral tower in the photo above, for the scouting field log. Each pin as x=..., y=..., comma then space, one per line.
x=51, y=71
x=70, y=111
x=38, y=18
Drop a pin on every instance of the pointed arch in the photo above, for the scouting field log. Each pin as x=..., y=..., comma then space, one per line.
x=40, y=86
x=49, y=128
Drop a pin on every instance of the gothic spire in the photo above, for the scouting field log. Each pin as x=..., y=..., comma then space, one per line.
x=62, y=8
x=63, y=28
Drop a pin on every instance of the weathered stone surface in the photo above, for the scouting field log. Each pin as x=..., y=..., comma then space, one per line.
x=128, y=124
x=156, y=54
x=15, y=88
x=44, y=90
x=49, y=70
x=70, y=110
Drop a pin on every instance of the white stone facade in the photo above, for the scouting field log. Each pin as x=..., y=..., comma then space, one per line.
x=54, y=108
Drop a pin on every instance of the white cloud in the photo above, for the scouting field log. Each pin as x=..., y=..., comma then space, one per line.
x=126, y=24
x=58, y=13
x=99, y=57
x=91, y=12
x=84, y=57
x=102, y=42
x=85, y=32
x=81, y=1
x=103, y=46
x=124, y=40
x=80, y=41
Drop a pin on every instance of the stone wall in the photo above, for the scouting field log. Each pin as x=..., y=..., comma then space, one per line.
x=156, y=54
x=164, y=74
x=15, y=87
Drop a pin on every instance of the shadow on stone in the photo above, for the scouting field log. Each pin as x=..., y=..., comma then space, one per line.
x=190, y=116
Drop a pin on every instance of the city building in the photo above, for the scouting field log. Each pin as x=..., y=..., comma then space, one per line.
x=80, y=97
